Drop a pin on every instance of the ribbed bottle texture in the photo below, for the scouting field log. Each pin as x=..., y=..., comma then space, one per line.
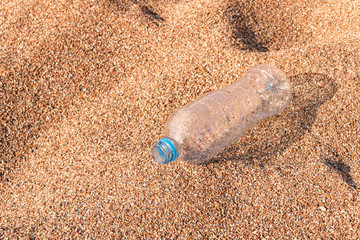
x=201, y=129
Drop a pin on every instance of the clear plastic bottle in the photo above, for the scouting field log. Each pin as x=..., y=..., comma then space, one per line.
x=201, y=129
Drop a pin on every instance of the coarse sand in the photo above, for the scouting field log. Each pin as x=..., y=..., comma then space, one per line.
x=86, y=87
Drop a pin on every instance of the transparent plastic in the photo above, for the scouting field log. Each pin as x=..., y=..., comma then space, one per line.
x=201, y=129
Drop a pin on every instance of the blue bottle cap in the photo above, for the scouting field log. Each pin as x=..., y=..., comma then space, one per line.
x=165, y=151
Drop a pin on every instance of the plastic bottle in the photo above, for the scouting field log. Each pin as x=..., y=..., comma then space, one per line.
x=201, y=129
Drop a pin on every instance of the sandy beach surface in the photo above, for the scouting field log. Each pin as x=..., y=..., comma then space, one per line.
x=87, y=86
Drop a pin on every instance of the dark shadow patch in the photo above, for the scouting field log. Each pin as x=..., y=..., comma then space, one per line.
x=309, y=92
x=260, y=27
x=336, y=163
x=147, y=11
x=243, y=31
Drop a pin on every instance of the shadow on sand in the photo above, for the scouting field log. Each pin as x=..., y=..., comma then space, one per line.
x=147, y=11
x=274, y=135
x=336, y=164
x=309, y=92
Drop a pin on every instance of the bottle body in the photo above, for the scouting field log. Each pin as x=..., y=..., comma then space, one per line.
x=201, y=129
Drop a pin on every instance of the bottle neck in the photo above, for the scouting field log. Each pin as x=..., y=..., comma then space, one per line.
x=165, y=151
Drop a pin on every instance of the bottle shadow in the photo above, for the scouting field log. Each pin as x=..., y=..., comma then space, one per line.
x=261, y=144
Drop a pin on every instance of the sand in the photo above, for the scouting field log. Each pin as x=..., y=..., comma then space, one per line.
x=87, y=86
